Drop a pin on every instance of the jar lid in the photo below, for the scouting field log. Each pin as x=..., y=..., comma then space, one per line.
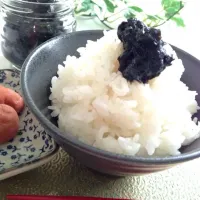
x=38, y=1
x=38, y=8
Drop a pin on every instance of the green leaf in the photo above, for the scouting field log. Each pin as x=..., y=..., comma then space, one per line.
x=110, y=6
x=132, y=12
x=129, y=15
x=153, y=17
x=159, y=17
x=86, y=5
x=166, y=3
x=172, y=7
x=176, y=4
x=135, y=8
x=179, y=21
x=171, y=10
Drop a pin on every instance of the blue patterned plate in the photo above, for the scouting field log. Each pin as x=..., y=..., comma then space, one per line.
x=31, y=143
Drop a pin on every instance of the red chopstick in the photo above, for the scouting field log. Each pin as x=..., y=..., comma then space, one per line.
x=34, y=197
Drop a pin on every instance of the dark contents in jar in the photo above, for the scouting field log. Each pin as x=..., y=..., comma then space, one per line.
x=144, y=55
x=21, y=34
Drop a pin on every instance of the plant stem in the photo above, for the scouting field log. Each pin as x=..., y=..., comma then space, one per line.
x=114, y=19
x=103, y=22
x=181, y=7
x=84, y=15
x=115, y=14
x=107, y=21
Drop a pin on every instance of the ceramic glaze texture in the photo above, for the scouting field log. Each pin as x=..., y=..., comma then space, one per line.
x=32, y=142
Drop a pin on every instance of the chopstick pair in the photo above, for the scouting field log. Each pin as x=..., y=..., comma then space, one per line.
x=34, y=197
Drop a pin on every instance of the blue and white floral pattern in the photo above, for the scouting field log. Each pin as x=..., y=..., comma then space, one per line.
x=32, y=142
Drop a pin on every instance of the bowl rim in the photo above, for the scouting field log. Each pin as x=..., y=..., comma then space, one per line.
x=77, y=143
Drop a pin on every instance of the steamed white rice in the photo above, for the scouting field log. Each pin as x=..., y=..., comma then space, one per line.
x=97, y=105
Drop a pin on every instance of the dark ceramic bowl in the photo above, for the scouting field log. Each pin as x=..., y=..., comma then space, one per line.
x=36, y=76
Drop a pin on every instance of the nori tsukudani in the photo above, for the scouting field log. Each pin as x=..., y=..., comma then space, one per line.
x=144, y=56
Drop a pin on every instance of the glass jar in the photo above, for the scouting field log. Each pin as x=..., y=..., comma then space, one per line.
x=29, y=23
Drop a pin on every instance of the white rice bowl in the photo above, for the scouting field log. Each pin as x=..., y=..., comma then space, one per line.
x=94, y=103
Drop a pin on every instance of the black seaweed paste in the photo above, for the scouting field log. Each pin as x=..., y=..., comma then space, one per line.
x=144, y=55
